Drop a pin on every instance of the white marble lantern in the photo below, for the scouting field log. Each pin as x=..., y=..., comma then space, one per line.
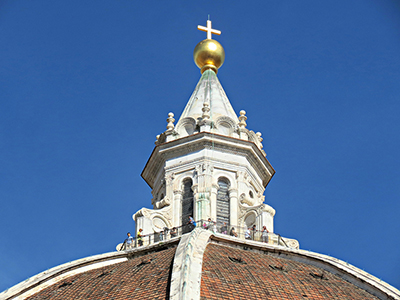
x=208, y=165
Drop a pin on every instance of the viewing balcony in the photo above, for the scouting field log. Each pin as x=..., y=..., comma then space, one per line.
x=234, y=231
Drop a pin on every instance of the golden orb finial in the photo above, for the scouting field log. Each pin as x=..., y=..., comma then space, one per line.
x=209, y=54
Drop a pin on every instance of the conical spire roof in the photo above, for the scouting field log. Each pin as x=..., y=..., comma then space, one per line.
x=209, y=90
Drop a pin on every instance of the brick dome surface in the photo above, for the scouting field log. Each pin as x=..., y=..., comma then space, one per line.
x=141, y=277
x=228, y=273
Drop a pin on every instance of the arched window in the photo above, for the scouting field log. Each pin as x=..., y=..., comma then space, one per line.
x=187, y=203
x=223, y=203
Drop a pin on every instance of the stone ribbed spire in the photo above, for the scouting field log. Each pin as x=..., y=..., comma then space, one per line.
x=209, y=90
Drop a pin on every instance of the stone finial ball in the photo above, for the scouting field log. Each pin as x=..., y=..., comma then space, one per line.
x=209, y=54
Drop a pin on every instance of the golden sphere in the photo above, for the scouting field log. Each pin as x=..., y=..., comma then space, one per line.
x=209, y=54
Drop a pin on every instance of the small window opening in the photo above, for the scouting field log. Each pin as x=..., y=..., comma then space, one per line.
x=65, y=284
x=144, y=262
x=237, y=260
x=319, y=276
x=278, y=268
x=103, y=274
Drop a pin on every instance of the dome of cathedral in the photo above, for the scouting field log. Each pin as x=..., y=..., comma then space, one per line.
x=203, y=265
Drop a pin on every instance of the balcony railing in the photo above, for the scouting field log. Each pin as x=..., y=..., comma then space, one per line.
x=233, y=231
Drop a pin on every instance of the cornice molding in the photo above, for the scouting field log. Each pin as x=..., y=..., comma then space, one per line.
x=205, y=140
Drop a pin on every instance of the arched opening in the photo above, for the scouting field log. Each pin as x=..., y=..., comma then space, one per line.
x=223, y=202
x=187, y=203
x=250, y=220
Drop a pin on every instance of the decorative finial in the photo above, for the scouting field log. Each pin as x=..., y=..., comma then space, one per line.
x=209, y=29
x=242, y=119
x=170, y=121
x=209, y=54
x=206, y=111
x=260, y=139
x=258, y=134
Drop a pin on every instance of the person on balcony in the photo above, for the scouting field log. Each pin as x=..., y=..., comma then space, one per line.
x=224, y=228
x=173, y=232
x=166, y=230
x=209, y=224
x=264, y=234
x=140, y=237
x=192, y=223
x=253, y=232
x=128, y=241
x=247, y=234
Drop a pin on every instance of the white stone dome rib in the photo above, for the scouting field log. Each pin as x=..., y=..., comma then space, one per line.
x=210, y=90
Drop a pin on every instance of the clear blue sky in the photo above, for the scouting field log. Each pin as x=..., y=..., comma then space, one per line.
x=85, y=86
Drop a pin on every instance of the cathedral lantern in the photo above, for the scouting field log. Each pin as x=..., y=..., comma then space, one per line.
x=208, y=164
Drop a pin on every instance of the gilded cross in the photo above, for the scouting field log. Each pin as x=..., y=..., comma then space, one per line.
x=208, y=29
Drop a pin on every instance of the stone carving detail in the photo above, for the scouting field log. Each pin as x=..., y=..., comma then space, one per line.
x=163, y=202
x=205, y=168
x=167, y=213
x=186, y=126
x=225, y=125
x=292, y=243
x=266, y=208
x=164, y=213
x=260, y=139
x=246, y=200
x=195, y=188
x=159, y=223
x=257, y=209
x=243, y=210
x=178, y=192
x=253, y=138
x=240, y=175
x=243, y=177
x=160, y=139
x=256, y=139
x=144, y=212
x=170, y=178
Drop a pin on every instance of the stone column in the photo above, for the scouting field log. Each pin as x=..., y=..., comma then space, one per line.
x=233, y=197
x=241, y=178
x=213, y=201
x=202, y=207
x=203, y=191
x=268, y=214
x=177, y=208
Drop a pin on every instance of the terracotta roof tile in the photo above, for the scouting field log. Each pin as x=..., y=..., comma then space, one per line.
x=142, y=277
x=230, y=273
